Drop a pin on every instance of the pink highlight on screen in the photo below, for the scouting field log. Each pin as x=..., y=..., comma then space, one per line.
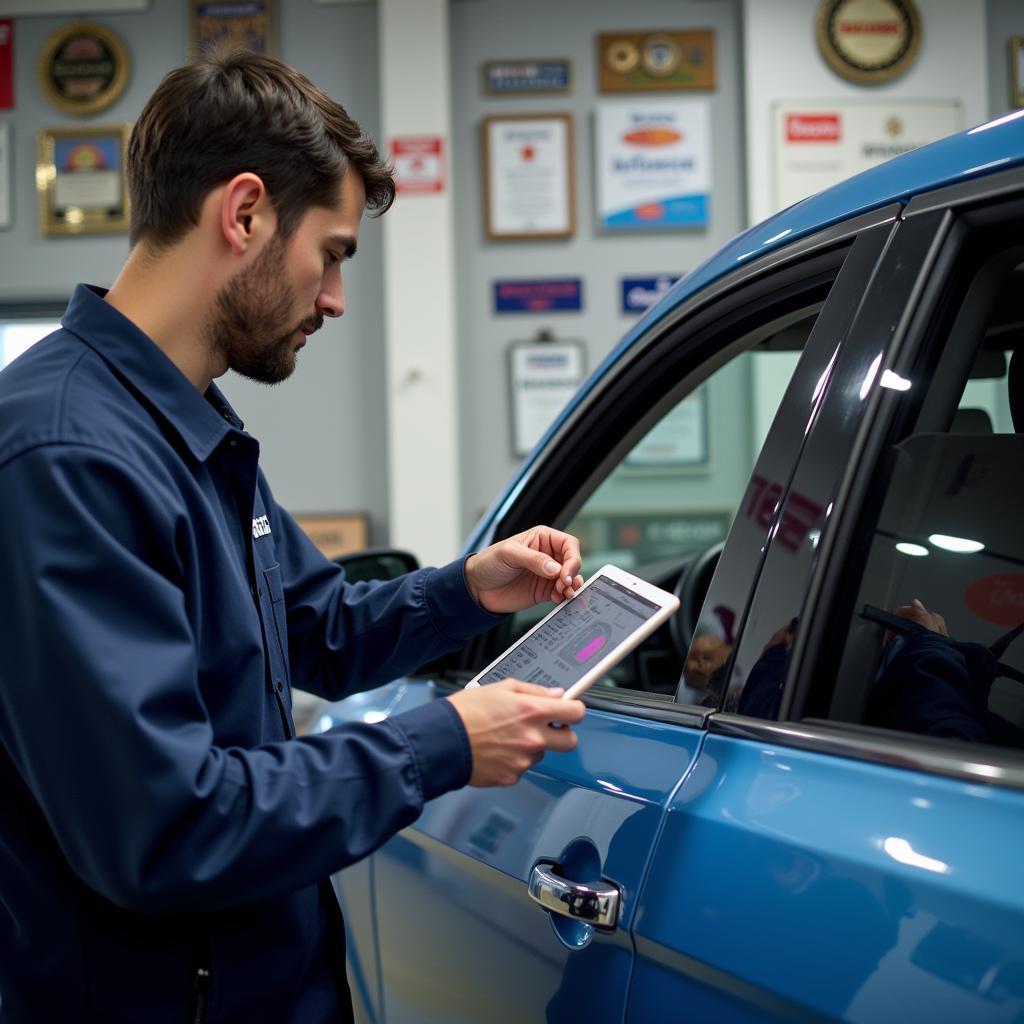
x=591, y=649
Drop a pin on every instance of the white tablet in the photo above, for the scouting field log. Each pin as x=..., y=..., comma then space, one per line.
x=581, y=639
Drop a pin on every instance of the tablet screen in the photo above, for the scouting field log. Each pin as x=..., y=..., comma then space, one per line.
x=576, y=636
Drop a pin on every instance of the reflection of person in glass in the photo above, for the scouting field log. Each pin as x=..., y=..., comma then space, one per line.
x=763, y=690
x=931, y=684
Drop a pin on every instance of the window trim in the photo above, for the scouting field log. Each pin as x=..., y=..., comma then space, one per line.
x=992, y=766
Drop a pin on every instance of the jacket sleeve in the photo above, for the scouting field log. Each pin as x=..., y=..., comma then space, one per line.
x=345, y=637
x=101, y=713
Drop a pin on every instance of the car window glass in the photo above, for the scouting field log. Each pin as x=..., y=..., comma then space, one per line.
x=934, y=644
x=671, y=499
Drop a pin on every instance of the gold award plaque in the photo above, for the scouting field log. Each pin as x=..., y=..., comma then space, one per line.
x=656, y=61
x=83, y=68
x=80, y=179
x=621, y=56
x=869, y=41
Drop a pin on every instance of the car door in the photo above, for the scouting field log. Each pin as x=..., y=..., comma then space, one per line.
x=854, y=816
x=445, y=926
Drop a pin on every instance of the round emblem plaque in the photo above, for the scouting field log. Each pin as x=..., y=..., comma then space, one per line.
x=869, y=41
x=622, y=56
x=661, y=56
x=83, y=68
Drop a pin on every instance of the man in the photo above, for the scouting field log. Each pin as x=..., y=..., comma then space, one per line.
x=165, y=839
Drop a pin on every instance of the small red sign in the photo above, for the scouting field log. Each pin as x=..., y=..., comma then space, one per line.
x=812, y=128
x=998, y=598
x=419, y=163
x=6, y=63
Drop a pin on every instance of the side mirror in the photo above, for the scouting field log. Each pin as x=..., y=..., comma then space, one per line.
x=376, y=564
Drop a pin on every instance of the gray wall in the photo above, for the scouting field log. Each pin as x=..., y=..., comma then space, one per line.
x=322, y=432
x=496, y=29
x=1005, y=20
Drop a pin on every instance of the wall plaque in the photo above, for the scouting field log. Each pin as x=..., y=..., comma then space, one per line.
x=869, y=41
x=83, y=68
x=656, y=61
x=80, y=179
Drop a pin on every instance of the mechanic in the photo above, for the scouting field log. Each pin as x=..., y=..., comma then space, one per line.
x=166, y=840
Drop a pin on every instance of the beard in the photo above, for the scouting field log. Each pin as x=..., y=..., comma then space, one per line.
x=251, y=325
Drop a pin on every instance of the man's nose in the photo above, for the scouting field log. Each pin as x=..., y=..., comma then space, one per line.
x=331, y=300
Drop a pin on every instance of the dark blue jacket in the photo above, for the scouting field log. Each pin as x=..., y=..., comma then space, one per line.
x=158, y=815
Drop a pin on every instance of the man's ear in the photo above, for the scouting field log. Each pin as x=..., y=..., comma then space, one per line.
x=246, y=213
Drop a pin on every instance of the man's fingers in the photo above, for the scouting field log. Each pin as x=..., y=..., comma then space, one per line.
x=564, y=712
x=561, y=740
x=531, y=688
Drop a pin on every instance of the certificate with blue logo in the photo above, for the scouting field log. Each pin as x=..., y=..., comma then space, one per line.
x=653, y=165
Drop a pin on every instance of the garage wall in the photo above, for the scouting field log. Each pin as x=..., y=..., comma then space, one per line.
x=322, y=432
x=495, y=29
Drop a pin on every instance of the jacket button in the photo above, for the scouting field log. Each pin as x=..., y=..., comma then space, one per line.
x=279, y=686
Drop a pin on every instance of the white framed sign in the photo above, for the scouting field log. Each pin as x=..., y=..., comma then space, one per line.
x=653, y=165
x=817, y=145
x=679, y=439
x=543, y=376
x=528, y=184
x=5, y=174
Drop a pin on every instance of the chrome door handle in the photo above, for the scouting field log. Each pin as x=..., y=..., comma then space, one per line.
x=596, y=905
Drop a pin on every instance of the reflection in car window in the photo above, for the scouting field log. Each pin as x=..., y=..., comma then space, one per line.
x=669, y=502
x=935, y=646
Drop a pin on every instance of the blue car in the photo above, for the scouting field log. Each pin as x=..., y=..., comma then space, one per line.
x=803, y=798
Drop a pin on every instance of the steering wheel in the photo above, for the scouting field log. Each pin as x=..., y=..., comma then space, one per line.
x=691, y=588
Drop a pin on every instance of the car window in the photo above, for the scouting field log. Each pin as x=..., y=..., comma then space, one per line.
x=672, y=496
x=933, y=643
x=677, y=490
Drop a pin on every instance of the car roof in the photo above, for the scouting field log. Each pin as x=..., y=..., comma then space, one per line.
x=994, y=146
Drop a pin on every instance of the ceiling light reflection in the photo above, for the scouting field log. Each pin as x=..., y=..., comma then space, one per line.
x=958, y=545
x=915, y=550
x=894, y=381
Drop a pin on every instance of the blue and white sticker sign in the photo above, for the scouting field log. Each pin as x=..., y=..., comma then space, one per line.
x=653, y=165
x=504, y=77
x=538, y=296
x=640, y=293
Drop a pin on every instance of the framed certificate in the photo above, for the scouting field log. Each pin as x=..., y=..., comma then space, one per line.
x=528, y=176
x=80, y=180
x=219, y=24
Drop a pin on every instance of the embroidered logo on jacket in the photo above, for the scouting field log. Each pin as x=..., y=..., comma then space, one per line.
x=260, y=527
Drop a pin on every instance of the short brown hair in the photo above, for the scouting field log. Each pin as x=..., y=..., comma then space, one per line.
x=238, y=111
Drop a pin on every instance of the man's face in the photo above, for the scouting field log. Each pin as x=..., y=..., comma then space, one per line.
x=264, y=314
x=707, y=653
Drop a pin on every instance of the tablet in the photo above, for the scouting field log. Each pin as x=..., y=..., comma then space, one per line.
x=582, y=638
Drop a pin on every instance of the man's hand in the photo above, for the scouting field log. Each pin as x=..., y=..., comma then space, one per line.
x=509, y=728
x=537, y=565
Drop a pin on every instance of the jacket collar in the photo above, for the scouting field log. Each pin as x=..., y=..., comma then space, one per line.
x=201, y=421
